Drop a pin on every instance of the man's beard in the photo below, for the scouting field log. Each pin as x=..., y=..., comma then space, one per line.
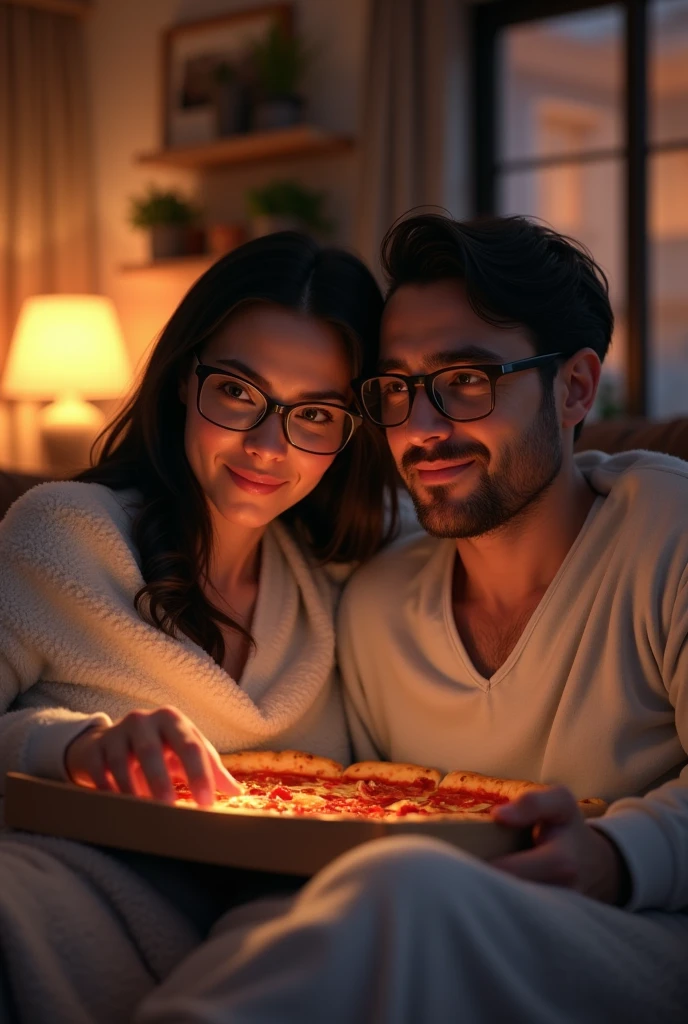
x=528, y=466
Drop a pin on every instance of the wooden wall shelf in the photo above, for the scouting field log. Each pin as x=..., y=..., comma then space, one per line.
x=252, y=148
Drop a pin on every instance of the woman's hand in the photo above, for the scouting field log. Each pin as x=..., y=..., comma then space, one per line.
x=144, y=753
x=567, y=852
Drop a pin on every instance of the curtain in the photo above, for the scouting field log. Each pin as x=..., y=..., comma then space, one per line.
x=46, y=192
x=410, y=113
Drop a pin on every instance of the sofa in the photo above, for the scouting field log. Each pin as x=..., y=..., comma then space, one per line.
x=669, y=436
x=626, y=435
x=12, y=485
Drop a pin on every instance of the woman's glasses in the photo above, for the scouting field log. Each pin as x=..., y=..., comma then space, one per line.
x=461, y=393
x=231, y=402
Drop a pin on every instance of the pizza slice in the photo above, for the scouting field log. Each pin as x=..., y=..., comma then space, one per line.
x=391, y=786
x=285, y=781
x=294, y=783
x=470, y=794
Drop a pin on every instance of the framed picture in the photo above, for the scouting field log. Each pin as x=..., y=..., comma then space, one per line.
x=194, y=57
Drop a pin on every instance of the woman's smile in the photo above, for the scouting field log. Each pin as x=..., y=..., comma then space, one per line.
x=255, y=483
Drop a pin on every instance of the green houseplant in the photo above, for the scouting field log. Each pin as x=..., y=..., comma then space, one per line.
x=287, y=205
x=168, y=216
x=280, y=61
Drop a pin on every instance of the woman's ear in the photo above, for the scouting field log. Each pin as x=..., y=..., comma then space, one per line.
x=183, y=390
x=579, y=378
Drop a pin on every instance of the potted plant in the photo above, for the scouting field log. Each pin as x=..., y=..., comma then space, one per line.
x=280, y=61
x=286, y=206
x=169, y=217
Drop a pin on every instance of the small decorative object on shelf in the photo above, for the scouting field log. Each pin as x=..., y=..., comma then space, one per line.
x=222, y=238
x=170, y=219
x=287, y=206
x=208, y=76
x=280, y=61
x=229, y=97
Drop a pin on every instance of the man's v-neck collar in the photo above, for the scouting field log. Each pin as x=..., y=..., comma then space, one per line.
x=480, y=680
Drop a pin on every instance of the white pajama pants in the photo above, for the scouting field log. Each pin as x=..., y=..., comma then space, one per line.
x=410, y=931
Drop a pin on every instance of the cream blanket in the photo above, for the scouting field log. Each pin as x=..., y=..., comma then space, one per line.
x=81, y=936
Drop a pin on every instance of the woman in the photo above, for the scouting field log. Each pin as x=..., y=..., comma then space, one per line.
x=168, y=605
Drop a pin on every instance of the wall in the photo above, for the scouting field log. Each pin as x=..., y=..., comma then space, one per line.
x=123, y=47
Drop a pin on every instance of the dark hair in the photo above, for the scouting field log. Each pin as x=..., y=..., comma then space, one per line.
x=342, y=519
x=516, y=272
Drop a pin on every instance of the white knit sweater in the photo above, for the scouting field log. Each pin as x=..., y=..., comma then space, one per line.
x=595, y=693
x=73, y=650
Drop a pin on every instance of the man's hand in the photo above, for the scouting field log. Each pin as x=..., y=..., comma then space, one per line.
x=144, y=753
x=567, y=852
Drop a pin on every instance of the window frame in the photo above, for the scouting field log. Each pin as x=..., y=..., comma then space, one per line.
x=489, y=20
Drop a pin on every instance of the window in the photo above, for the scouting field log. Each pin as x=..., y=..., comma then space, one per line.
x=564, y=127
x=581, y=119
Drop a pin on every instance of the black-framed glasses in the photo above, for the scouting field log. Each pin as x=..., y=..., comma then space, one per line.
x=231, y=402
x=461, y=393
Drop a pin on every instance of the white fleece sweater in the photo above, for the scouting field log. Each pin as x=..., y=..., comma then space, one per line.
x=595, y=693
x=73, y=650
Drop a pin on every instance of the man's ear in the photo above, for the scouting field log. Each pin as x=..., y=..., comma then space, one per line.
x=578, y=380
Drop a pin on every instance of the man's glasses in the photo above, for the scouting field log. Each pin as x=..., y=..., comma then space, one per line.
x=229, y=401
x=461, y=393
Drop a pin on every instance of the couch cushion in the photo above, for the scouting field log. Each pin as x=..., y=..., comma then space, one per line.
x=12, y=485
x=624, y=435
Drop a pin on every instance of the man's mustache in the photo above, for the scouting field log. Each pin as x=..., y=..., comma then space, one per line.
x=445, y=451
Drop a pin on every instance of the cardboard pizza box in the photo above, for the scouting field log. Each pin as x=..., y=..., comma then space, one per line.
x=258, y=840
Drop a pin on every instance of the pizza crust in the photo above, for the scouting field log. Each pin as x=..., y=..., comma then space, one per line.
x=474, y=782
x=392, y=772
x=293, y=762
x=470, y=782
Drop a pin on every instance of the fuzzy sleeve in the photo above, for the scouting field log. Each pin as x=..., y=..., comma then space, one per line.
x=54, y=546
x=652, y=831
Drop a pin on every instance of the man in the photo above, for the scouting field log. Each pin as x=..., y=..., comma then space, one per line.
x=538, y=631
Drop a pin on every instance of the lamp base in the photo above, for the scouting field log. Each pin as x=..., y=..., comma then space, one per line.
x=69, y=426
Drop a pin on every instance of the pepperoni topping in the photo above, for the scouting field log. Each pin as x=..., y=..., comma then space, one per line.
x=372, y=792
x=280, y=793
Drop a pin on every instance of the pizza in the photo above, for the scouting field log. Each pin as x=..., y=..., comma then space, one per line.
x=297, y=784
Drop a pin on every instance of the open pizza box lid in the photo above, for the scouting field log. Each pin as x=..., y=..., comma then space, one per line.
x=258, y=840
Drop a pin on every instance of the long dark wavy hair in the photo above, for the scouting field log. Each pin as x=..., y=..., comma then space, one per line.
x=348, y=515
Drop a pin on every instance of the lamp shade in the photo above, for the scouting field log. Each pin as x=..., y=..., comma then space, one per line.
x=67, y=344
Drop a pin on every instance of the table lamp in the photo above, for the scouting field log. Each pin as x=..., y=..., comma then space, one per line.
x=67, y=348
